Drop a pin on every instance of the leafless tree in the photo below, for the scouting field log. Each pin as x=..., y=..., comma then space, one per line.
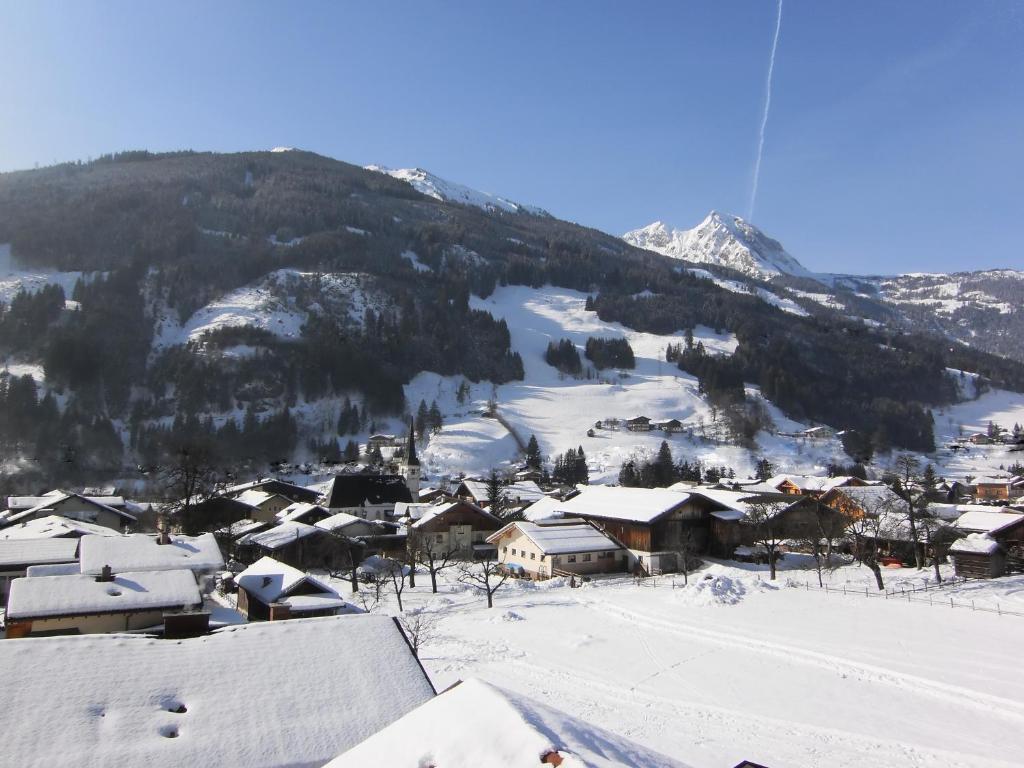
x=487, y=576
x=818, y=533
x=420, y=627
x=878, y=521
x=424, y=549
x=907, y=466
x=686, y=552
x=396, y=573
x=375, y=593
x=190, y=479
x=768, y=527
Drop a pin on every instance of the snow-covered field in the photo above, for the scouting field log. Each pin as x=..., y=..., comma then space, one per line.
x=733, y=667
x=559, y=409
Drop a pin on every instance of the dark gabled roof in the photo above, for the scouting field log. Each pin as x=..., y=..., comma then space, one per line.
x=359, y=490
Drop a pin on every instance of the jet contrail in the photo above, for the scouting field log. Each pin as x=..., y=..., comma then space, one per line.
x=764, y=117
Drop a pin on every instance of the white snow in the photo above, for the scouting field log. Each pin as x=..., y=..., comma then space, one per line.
x=80, y=594
x=288, y=694
x=271, y=581
x=642, y=505
x=723, y=240
x=736, y=667
x=15, y=278
x=564, y=536
x=495, y=728
x=433, y=186
x=418, y=265
x=278, y=536
x=140, y=552
x=53, y=526
x=22, y=551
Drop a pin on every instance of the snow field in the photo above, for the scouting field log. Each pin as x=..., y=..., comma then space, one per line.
x=735, y=667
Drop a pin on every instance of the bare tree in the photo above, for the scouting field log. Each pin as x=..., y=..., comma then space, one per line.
x=190, y=479
x=818, y=533
x=375, y=594
x=396, y=573
x=487, y=576
x=686, y=552
x=767, y=527
x=420, y=627
x=880, y=520
x=425, y=550
x=907, y=466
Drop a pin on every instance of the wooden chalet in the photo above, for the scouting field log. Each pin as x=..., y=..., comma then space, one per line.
x=460, y=527
x=269, y=590
x=671, y=427
x=366, y=495
x=994, y=545
x=638, y=424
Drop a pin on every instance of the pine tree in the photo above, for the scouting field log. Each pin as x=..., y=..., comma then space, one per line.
x=533, y=457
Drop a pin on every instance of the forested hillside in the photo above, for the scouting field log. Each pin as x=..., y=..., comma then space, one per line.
x=160, y=237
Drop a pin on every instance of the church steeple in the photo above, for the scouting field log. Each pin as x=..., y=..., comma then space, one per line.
x=411, y=465
x=410, y=448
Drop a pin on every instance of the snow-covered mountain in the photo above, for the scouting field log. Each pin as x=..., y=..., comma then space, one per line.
x=434, y=186
x=723, y=240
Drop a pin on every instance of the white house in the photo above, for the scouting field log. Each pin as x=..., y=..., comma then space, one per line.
x=557, y=546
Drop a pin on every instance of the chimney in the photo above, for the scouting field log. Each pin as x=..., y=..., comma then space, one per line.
x=105, y=574
x=162, y=536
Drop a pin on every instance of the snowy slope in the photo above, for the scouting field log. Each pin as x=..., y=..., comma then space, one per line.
x=269, y=304
x=15, y=278
x=441, y=189
x=559, y=410
x=723, y=240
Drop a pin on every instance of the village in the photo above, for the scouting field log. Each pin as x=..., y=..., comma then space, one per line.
x=362, y=565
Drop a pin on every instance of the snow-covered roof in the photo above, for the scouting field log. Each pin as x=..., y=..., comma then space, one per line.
x=54, y=526
x=56, y=497
x=341, y=679
x=254, y=497
x=436, y=510
x=79, y=594
x=543, y=509
x=270, y=580
x=37, y=551
x=279, y=536
x=413, y=509
x=975, y=544
x=987, y=522
x=812, y=483
x=140, y=552
x=338, y=521
x=874, y=499
x=642, y=505
x=495, y=728
x=298, y=509
x=561, y=537
x=28, y=502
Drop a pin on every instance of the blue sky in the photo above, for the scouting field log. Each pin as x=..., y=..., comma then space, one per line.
x=895, y=139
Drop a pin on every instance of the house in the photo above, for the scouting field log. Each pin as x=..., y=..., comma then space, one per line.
x=84, y=604
x=74, y=506
x=730, y=514
x=638, y=424
x=652, y=523
x=18, y=555
x=557, y=547
x=672, y=426
x=303, y=512
x=277, y=487
x=266, y=694
x=519, y=492
x=54, y=527
x=269, y=590
x=264, y=507
x=297, y=544
x=351, y=526
x=818, y=433
x=460, y=528
x=979, y=438
x=365, y=495
x=994, y=545
x=498, y=728
x=997, y=488
x=857, y=501
x=378, y=441
x=811, y=485
x=142, y=552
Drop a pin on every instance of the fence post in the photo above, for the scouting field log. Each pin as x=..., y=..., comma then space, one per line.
x=951, y=602
x=999, y=610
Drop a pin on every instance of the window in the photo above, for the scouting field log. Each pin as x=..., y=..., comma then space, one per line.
x=542, y=558
x=571, y=558
x=440, y=538
x=533, y=555
x=513, y=551
x=504, y=549
x=586, y=558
